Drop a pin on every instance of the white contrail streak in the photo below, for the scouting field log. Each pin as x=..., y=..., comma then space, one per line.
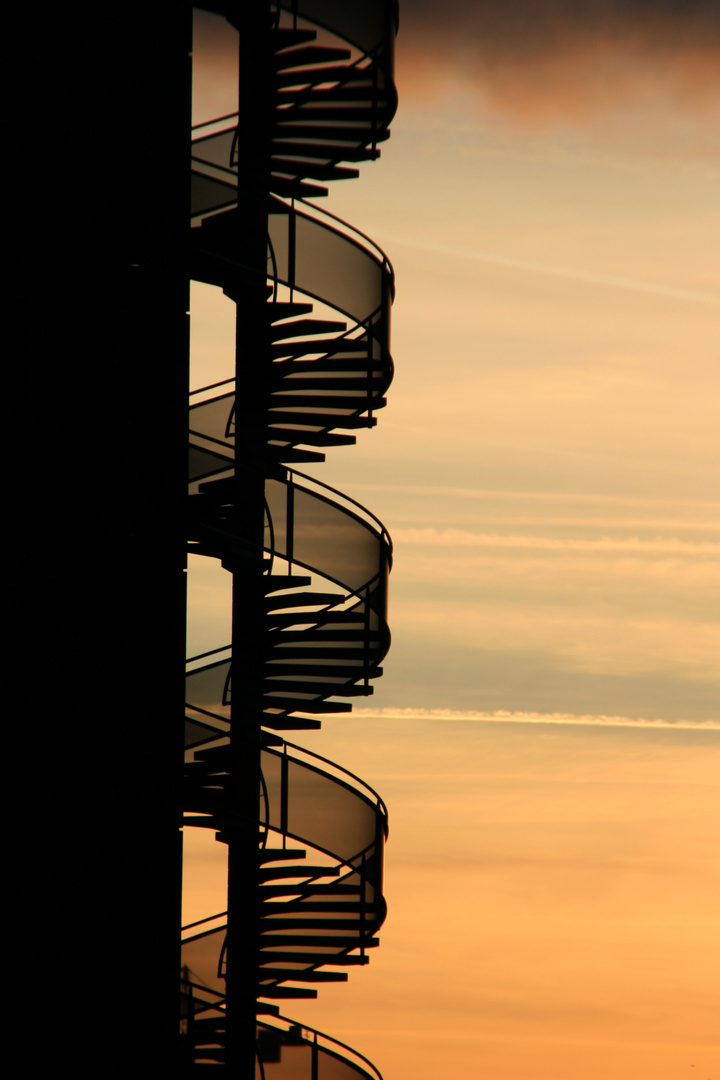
x=558, y=271
x=502, y=716
x=627, y=545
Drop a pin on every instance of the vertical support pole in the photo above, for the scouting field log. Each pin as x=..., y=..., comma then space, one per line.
x=256, y=104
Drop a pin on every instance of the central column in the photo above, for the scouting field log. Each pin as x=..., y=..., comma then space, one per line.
x=256, y=101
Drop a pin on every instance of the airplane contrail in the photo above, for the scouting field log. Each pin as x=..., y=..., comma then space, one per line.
x=558, y=271
x=502, y=716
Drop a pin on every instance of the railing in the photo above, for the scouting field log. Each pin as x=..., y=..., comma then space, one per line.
x=282, y=1034
x=318, y=904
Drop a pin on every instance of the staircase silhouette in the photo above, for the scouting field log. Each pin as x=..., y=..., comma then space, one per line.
x=311, y=563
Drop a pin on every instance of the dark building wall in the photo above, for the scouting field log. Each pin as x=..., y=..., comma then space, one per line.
x=104, y=330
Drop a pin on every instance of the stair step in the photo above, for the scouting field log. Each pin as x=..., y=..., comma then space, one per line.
x=281, y=854
x=320, y=634
x=295, y=189
x=324, y=346
x=339, y=959
x=288, y=167
x=199, y=822
x=275, y=582
x=313, y=438
x=214, y=1053
x=310, y=906
x=320, y=653
x=305, y=328
x=273, y=686
x=276, y=992
x=298, y=975
x=204, y=1025
x=290, y=723
x=347, y=420
x=295, y=126
x=307, y=55
x=303, y=599
x=284, y=309
x=290, y=454
x=332, y=107
x=276, y=922
x=354, y=93
x=285, y=38
x=317, y=74
x=301, y=422
x=347, y=671
x=318, y=618
x=315, y=378
x=332, y=941
x=306, y=870
x=323, y=401
x=265, y=1009
x=355, y=414
x=311, y=374
x=323, y=150
x=288, y=705
x=334, y=888
x=317, y=172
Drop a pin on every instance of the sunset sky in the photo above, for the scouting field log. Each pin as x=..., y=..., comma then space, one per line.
x=547, y=733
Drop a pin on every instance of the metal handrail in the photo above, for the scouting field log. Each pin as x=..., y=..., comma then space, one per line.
x=372, y=519
x=367, y=27
x=334, y=1047
x=352, y=231
x=317, y=213
x=374, y=797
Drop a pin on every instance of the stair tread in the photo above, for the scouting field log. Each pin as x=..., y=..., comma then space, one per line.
x=290, y=723
x=273, y=582
x=307, y=55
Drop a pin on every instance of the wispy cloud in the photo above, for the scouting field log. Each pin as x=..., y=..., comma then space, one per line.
x=568, y=59
x=574, y=274
x=501, y=716
x=587, y=498
x=514, y=510
x=631, y=545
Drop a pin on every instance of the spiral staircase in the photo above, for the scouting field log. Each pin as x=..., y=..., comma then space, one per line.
x=305, y=838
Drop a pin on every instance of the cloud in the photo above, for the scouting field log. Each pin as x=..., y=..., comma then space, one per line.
x=566, y=59
x=574, y=274
x=421, y=490
x=571, y=545
x=502, y=716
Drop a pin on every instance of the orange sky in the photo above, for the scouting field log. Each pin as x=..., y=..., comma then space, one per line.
x=548, y=467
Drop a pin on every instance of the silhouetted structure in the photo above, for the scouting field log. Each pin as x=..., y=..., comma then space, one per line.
x=309, y=566
x=304, y=837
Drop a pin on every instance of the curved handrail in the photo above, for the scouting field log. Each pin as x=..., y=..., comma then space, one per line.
x=353, y=232
x=298, y=753
x=326, y=1044
x=347, y=780
x=343, y=526
x=292, y=538
x=357, y=782
x=297, y=809
x=302, y=268
x=340, y=498
x=314, y=210
x=314, y=275
x=332, y=105
x=352, y=20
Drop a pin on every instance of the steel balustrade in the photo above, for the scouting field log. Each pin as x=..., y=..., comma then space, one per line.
x=310, y=565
